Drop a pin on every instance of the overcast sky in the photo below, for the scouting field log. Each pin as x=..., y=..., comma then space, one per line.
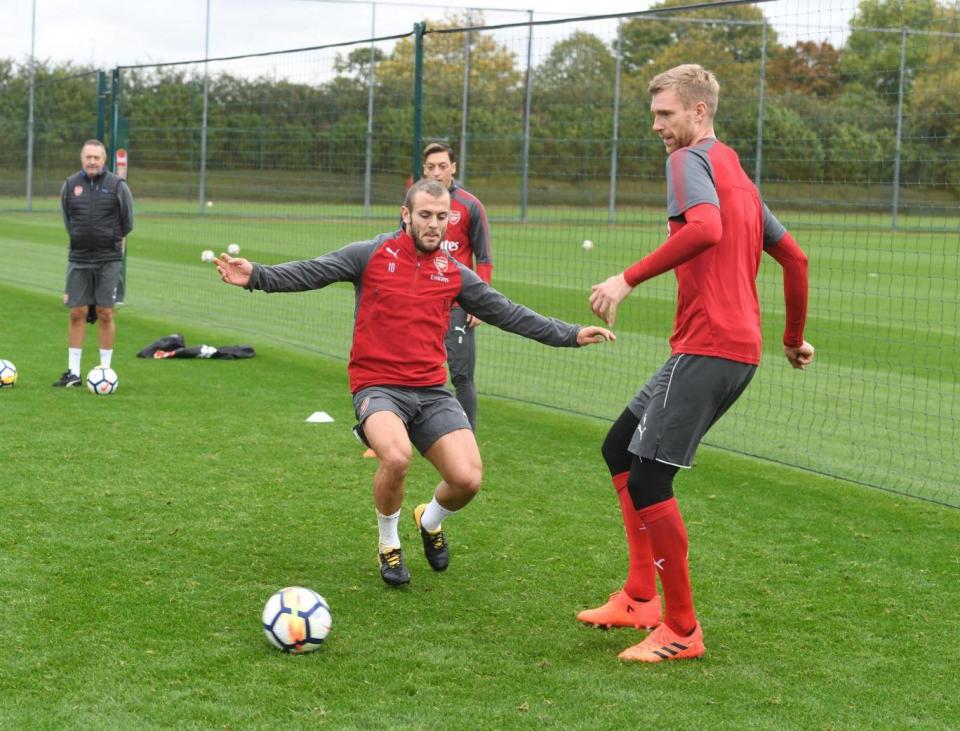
x=104, y=34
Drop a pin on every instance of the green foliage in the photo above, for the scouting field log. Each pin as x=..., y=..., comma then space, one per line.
x=824, y=99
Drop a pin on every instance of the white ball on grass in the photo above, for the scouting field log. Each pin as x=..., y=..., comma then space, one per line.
x=587, y=244
x=207, y=255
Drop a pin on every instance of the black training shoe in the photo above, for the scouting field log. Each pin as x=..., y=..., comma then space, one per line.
x=67, y=380
x=392, y=568
x=435, y=546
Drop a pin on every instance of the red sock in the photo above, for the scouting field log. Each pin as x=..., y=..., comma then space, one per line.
x=641, y=581
x=668, y=537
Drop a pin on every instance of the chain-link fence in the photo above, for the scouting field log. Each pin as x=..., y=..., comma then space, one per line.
x=849, y=129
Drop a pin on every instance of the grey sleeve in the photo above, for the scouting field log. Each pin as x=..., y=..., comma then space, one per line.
x=125, y=198
x=63, y=206
x=343, y=265
x=773, y=230
x=689, y=181
x=480, y=234
x=480, y=299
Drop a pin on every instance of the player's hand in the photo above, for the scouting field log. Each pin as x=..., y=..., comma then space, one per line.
x=594, y=334
x=473, y=321
x=234, y=270
x=606, y=296
x=800, y=356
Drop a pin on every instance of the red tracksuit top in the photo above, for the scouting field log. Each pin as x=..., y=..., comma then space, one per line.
x=403, y=301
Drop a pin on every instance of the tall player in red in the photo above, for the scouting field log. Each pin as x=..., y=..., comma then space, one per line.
x=468, y=241
x=719, y=229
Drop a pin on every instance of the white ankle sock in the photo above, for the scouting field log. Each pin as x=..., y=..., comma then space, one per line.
x=389, y=536
x=73, y=360
x=105, y=357
x=433, y=516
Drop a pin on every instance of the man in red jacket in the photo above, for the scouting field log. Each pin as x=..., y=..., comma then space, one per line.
x=719, y=229
x=405, y=286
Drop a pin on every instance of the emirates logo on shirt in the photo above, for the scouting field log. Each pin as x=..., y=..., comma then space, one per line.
x=455, y=217
x=77, y=190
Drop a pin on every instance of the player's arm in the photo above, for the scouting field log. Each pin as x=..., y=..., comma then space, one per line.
x=479, y=234
x=779, y=244
x=701, y=230
x=343, y=265
x=691, y=199
x=480, y=299
x=480, y=241
x=125, y=201
x=63, y=206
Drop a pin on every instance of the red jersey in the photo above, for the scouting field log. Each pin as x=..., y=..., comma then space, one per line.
x=468, y=235
x=403, y=300
x=718, y=310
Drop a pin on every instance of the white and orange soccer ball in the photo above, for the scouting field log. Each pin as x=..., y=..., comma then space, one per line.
x=8, y=374
x=296, y=619
x=102, y=381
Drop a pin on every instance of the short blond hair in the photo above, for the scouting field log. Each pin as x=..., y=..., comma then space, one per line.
x=692, y=83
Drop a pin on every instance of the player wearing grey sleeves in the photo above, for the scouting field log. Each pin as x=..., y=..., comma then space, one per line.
x=97, y=212
x=405, y=286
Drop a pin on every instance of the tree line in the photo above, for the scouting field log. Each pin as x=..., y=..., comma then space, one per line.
x=830, y=114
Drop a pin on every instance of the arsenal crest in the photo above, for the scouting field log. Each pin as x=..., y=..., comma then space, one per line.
x=454, y=217
x=77, y=190
x=440, y=262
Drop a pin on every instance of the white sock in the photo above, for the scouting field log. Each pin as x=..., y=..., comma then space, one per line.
x=73, y=360
x=105, y=357
x=389, y=536
x=433, y=516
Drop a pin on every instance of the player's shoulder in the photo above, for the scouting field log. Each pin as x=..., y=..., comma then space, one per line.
x=463, y=195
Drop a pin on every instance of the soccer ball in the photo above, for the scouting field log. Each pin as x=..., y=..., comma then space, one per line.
x=8, y=374
x=587, y=244
x=296, y=619
x=102, y=381
x=233, y=249
x=207, y=255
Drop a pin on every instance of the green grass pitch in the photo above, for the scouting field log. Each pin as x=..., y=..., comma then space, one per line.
x=142, y=533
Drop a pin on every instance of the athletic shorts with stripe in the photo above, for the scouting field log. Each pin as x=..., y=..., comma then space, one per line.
x=680, y=403
x=428, y=413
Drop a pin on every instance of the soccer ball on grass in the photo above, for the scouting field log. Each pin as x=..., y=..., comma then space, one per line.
x=8, y=374
x=296, y=619
x=102, y=381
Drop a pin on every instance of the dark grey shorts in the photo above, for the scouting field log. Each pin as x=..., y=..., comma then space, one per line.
x=92, y=284
x=681, y=402
x=461, y=347
x=428, y=413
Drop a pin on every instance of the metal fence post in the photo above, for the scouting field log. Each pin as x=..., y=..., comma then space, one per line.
x=758, y=170
x=371, y=78
x=615, y=141
x=30, y=105
x=418, y=30
x=114, y=117
x=525, y=157
x=468, y=38
x=101, y=104
x=203, y=123
x=895, y=204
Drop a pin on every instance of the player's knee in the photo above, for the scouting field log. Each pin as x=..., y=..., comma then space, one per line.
x=395, y=460
x=650, y=482
x=78, y=315
x=468, y=480
x=614, y=449
x=105, y=315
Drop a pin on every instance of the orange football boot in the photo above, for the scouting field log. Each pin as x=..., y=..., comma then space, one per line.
x=665, y=644
x=622, y=611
